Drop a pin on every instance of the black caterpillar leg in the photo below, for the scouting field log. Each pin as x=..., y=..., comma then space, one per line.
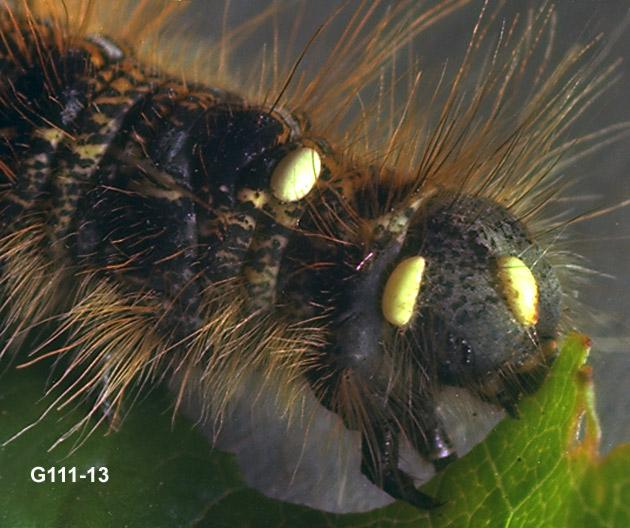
x=432, y=441
x=379, y=463
x=441, y=452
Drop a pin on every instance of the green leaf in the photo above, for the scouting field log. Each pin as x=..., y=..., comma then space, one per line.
x=530, y=472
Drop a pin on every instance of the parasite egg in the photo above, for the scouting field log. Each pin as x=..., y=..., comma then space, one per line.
x=519, y=289
x=296, y=174
x=401, y=291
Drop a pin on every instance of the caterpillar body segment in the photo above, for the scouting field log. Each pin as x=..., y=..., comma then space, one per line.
x=152, y=229
x=201, y=235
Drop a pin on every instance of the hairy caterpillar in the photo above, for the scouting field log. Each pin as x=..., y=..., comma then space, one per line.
x=139, y=195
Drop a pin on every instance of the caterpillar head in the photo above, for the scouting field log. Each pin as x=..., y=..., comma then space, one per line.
x=464, y=290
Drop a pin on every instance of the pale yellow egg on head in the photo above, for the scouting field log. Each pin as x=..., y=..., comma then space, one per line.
x=520, y=289
x=296, y=174
x=401, y=291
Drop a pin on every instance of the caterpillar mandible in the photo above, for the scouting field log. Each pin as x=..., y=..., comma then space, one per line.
x=182, y=230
